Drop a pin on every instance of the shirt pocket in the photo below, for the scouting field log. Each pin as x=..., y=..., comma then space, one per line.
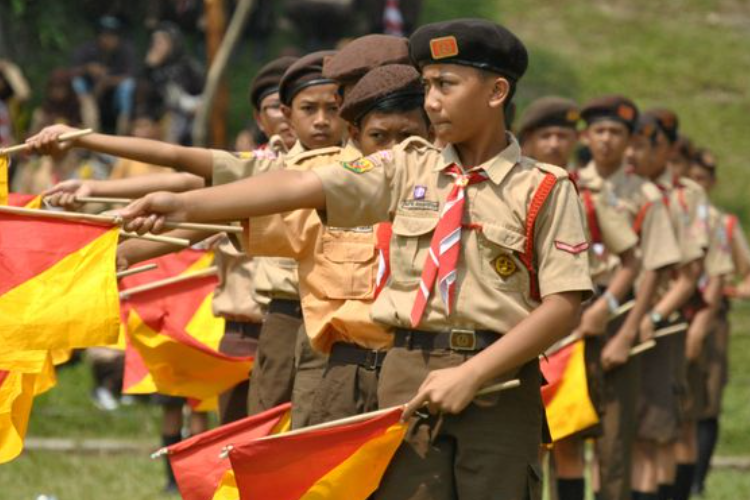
x=409, y=246
x=500, y=249
x=348, y=264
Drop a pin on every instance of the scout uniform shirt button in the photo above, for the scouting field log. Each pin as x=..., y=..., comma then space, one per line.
x=505, y=265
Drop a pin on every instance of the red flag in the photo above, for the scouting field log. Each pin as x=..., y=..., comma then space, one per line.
x=344, y=462
x=196, y=463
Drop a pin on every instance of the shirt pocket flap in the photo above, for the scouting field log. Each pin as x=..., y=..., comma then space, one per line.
x=348, y=251
x=404, y=225
x=505, y=237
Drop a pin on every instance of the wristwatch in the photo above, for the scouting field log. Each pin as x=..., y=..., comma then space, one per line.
x=656, y=318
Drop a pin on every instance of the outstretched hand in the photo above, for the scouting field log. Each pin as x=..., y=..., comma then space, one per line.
x=46, y=141
x=150, y=213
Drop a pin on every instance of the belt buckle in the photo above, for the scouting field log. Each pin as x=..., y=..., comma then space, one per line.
x=462, y=340
x=371, y=360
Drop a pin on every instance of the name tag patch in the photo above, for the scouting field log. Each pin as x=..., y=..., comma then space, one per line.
x=432, y=206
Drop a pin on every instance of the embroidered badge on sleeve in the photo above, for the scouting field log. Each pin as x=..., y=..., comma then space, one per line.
x=574, y=249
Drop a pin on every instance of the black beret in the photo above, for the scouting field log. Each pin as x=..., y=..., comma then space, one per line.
x=267, y=79
x=646, y=126
x=705, y=158
x=365, y=53
x=304, y=72
x=390, y=82
x=549, y=111
x=668, y=122
x=470, y=42
x=611, y=107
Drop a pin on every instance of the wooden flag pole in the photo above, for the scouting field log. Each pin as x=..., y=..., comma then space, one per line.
x=502, y=386
x=64, y=137
x=99, y=199
x=670, y=330
x=642, y=347
x=180, y=242
x=135, y=270
x=115, y=219
x=209, y=271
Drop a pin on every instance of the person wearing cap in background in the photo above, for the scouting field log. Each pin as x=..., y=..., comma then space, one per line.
x=726, y=237
x=106, y=68
x=610, y=122
x=264, y=96
x=548, y=132
x=340, y=270
x=507, y=283
x=363, y=54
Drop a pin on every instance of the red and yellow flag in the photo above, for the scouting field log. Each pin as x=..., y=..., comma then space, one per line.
x=566, y=395
x=24, y=200
x=196, y=461
x=57, y=283
x=17, y=391
x=3, y=180
x=345, y=462
x=177, y=335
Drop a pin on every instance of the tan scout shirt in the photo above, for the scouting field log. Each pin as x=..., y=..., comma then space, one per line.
x=273, y=277
x=740, y=247
x=616, y=231
x=688, y=209
x=235, y=297
x=337, y=266
x=719, y=254
x=642, y=201
x=407, y=185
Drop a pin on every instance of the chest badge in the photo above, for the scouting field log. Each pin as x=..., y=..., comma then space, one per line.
x=505, y=265
x=420, y=192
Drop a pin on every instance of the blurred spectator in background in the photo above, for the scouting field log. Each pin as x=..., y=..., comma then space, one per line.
x=146, y=125
x=171, y=82
x=14, y=91
x=322, y=23
x=61, y=104
x=187, y=14
x=392, y=17
x=105, y=69
x=249, y=138
x=260, y=27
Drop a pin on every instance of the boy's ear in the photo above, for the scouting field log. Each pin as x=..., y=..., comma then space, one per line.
x=287, y=111
x=583, y=137
x=499, y=92
x=354, y=133
x=259, y=122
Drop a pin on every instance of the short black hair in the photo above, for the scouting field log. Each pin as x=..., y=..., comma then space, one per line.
x=398, y=103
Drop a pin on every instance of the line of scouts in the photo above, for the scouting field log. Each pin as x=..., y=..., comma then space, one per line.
x=382, y=269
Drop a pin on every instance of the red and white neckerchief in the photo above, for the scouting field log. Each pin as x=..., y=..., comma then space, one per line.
x=393, y=20
x=383, y=245
x=446, y=244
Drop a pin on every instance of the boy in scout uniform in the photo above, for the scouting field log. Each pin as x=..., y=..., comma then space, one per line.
x=338, y=267
x=235, y=298
x=548, y=132
x=476, y=292
x=610, y=122
x=727, y=237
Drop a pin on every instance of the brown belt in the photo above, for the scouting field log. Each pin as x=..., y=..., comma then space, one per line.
x=352, y=354
x=288, y=307
x=245, y=328
x=455, y=340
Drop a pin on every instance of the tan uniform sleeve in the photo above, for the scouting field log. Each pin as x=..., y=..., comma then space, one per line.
x=560, y=243
x=362, y=192
x=292, y=234
x=230, y=167
x=659, y=246
x=740, y=250
x=617, y=233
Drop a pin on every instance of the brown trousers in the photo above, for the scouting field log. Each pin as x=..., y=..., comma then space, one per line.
x=658, y=406
x=233, y=403
x=488, y=451
x=716, y=368
x=614, y=449
x=272, y=378
x=344, y=391
x=309, y=367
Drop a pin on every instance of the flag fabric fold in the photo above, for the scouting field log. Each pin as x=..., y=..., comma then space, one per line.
x=57, y=283
x=566, y=395
x=177, y=336
x=200, y=471
x=344, y=462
